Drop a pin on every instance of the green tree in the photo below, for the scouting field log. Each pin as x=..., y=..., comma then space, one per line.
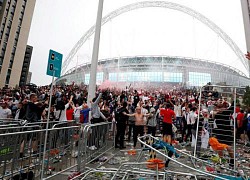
x=246, y=97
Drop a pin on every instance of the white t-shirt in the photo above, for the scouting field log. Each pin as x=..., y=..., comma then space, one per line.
x=63, y=116
x=192, y=117
x=77, y=111
x=144, y=111
x=145, y=98
x=4, y=113
x=177, y=110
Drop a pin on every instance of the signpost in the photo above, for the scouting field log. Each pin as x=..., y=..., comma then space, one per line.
x=54, y=63
x=53, y=69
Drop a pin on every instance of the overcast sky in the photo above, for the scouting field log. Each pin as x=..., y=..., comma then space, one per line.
x=59, y=24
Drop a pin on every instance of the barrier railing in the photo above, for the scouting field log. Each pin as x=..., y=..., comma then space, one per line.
x=69, y=146
x=219, y=121
x=187, y=167
x=19, y=151
x=94, y=142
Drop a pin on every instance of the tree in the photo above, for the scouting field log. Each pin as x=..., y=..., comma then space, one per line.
x=246, y=97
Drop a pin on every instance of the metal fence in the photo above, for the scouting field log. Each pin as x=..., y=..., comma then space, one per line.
x=189, y=169
x=217, y=121
x=69, y=146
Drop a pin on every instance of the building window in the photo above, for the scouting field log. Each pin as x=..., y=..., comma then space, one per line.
x=8, y=77
x=86, y=79
x=113, y=77
x=172, y=77
x=136, y=76
x=199, y=79
x=99, y=78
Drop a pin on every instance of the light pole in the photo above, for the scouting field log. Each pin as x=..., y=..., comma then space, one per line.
x=94, y=61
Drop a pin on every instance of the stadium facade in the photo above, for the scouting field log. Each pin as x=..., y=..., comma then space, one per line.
x=167, y=69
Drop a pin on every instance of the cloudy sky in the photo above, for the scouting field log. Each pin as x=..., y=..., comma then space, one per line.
x=59, y=24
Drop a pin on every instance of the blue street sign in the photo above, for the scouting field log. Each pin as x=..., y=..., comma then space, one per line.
x=54, y=63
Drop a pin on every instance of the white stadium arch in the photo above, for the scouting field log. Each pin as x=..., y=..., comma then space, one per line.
x=160, y=4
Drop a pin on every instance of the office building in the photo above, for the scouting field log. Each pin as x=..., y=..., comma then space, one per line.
x=15, y=22
x=26, y=65
x=28, y=81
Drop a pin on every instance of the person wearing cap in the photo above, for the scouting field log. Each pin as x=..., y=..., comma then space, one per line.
x=5, y=112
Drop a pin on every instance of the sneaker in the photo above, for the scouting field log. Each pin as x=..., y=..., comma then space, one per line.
x=62, y=153
x=74, y=154
x=92, y=148
x=35, y=160
x=23, y=122
x=73, y=175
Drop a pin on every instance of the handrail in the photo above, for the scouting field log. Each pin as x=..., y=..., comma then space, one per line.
x=36, y=131
x=188, y=167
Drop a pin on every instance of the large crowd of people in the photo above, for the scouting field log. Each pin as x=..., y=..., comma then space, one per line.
x=172, y=113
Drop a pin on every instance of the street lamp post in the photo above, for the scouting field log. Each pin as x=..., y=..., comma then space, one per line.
x=94, y=61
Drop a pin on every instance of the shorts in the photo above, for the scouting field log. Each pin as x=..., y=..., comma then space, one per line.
x=240, y=130
x=167, y=129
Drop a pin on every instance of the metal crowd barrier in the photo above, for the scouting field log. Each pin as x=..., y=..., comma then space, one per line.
x=132, y=171
x=21, y=147
x=69, y=146
x=196, y=171
x=86, y=143
x=19, y=151
x=5, y=123
x=95, y=141
x=221, y=124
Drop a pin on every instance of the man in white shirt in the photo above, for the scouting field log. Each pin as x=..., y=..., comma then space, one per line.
x=77, y=110
x=5, y=112
x=177, y=111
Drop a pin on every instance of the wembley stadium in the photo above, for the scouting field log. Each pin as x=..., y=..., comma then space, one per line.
x=157, y=69
x=139, y=64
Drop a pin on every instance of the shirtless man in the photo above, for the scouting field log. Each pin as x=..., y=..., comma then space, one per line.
x=139, y=123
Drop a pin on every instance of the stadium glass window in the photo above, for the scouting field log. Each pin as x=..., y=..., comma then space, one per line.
x=136, y=76
x=99, y=78
x=199, y=79
x=155, y=76
x=86, y=80
x=172, y=77
x=113, y=77
x=122, y=77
